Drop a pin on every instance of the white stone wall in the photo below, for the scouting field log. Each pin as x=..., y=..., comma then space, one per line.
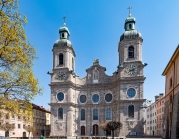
x=151, y=120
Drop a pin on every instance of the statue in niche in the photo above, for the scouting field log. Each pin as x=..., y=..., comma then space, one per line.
x=95, y=74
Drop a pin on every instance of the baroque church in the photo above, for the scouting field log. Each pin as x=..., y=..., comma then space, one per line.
x=80, y=105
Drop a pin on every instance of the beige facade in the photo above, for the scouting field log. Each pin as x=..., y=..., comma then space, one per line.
x=160, y=103
x=19, y=124
x=80, y=105
x=41, y=121
x=171, y=109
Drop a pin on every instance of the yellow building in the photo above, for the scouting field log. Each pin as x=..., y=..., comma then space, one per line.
x=171, y=109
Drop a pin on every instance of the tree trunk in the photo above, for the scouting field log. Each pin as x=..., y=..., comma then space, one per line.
x=112, y=134
x=106, y=134
x=29, y=135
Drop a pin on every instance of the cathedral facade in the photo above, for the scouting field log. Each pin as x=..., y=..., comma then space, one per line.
x=80, y=105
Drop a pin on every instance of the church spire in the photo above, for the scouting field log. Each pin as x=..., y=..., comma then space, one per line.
x=130, y=21
x=129, y=8
x=64, y=32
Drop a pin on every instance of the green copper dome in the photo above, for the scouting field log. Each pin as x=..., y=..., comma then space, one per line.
x=130, y=32
x=130, y=35
x=64, y=29
x=130, y=19
x=64, y=37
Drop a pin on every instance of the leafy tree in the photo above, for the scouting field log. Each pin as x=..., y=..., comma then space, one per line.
x=7, y=127
x=105, y=127
x=29, y=129
x=18, y=86
x=113, y=125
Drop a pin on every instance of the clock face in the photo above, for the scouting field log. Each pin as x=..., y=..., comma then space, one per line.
x=60, y=76
x=131, y=69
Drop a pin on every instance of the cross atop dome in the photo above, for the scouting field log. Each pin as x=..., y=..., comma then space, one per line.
x=64, y=17
x=129, y=8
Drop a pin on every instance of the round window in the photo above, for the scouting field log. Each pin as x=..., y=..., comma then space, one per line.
x=82, y=98
x=131, y=92
x=95, y=98
x=60, y=96
x=108, y=97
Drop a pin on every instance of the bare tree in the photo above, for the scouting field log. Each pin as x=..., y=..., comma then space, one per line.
x=113, y=125
x=29, y=128
x=7, y=127
x=105, y=127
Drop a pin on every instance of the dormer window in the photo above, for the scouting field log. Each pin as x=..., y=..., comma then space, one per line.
x=60, y=59
x=131, y=52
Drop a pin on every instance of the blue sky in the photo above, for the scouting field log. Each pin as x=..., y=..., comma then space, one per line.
x=96, y=27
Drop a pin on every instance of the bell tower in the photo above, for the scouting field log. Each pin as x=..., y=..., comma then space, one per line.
x=130, y=45
x=63, y=52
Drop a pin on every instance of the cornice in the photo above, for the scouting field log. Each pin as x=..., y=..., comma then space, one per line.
x=98, y=105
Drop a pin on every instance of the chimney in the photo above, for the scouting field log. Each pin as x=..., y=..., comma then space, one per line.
x=156, y=98
x=161, y=95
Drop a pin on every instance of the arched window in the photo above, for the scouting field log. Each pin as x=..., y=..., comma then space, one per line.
x=131, y=111
x=60, y=59
x=95, y=114
x=82, y=114
x=62, y=35
x=131, y=52
x=82, y=130
x=130, y=26
x=72, y=64
x=108, y=114
x=95, y=129
x=60, y=113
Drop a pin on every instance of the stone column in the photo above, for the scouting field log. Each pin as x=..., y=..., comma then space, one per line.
x=69, y=121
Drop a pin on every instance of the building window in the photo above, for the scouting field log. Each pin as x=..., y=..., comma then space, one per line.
x=82, y=98
x=82, y=114
x=60, y=113
x=82, y=130
x=131, y=93
x=13, y=117
x=95, y=98
x=19, y=117
x=108, y=114
x=95, y=129
x=60, y=96
x=60, y=59
x=108, y=97
x=7, y=116
x=170, y=82
x=72, y=64
x=130, y=26
x=131, y=111
x=62, y=35
x=131, y=52
x=95, y=114
x=19, y=126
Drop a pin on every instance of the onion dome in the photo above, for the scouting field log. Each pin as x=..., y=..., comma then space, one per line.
x=130, y=32
x=64, y=37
